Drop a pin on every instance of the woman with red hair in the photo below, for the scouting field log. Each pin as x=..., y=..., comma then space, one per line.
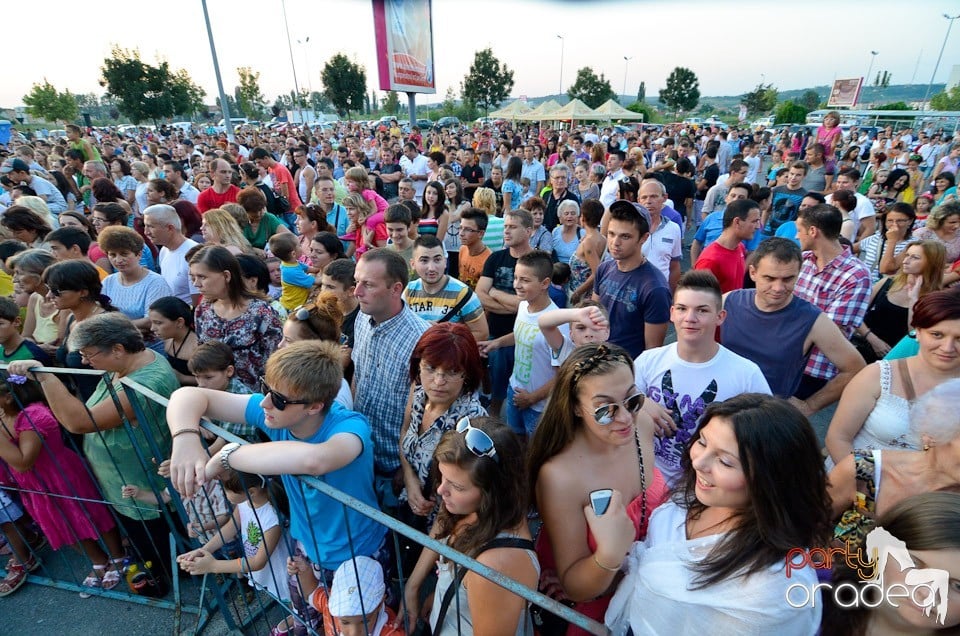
x=445, y=373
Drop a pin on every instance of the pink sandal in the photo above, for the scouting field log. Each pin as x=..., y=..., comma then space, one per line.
x=17, y=575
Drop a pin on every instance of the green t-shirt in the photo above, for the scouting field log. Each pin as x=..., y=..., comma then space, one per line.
x=111, y=453
x=26, y=350
x=267, y=228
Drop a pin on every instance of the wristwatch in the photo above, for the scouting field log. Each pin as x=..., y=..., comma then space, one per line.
x=225, y=453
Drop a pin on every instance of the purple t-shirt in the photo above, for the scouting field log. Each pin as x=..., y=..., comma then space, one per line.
x=632, y=299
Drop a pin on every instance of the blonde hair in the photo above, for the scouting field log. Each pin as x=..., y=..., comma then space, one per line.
x=307, y=370
x=227, y=228
x=940, y=214
x=38, y=205
x=355, y=200
x=935, y=255
x=486, y=200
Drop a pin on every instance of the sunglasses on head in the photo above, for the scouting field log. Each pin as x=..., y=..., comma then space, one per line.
x=280, y=401
x=606, y=413
x=478, y=442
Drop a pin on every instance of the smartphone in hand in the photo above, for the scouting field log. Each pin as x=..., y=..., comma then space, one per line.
x=600, y=500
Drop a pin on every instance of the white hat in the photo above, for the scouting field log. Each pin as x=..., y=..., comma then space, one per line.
x=658, y=140
x=360, y=577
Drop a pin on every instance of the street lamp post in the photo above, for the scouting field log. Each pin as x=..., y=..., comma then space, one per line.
x=626, y=63
x=561, y=63
x=224, y=107
x=293, y=67
x=873, y=56
x=939, y=57
x=306, y=60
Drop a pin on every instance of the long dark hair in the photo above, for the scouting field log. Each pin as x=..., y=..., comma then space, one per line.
x=503, y=489
x=434, y=213
x=220, y=259
x=786, y=487
x=77, y=275
x=514, y=169
x=240, y=482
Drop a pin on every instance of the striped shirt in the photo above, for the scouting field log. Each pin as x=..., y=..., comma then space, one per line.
x=433, y=307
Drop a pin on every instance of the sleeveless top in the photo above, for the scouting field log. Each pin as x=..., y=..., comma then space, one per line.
x=46, y=326
x=886, y=320
x=579, y=272
x=772, y=339
x=887, y=426
x=463, y=624
x=427, y=226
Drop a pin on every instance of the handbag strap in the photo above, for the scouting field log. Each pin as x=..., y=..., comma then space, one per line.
x=909, y=392
x=499, y=542
x=456, y=308
x=643, y=480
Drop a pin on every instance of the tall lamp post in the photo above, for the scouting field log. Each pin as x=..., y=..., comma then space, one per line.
x=873, y=56
x=306, y=60
x=293, y=67
x=561, y=63
x=936, y=67
x=224, y=107
x=626, y=63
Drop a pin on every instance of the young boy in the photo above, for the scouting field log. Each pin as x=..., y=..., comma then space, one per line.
x=311, y=435
x=338, y=278
x=276, y=280
x=295, y=281
x=13, y=346
x=212, y=364
x=586, y=323
x=473, y=253
x=71, y=243
x=398, y=220
x=559, y=280
x=532, y=376
x=355, y=604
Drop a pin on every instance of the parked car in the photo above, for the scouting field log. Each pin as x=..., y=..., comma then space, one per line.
x=424, y=124
x=447, y=122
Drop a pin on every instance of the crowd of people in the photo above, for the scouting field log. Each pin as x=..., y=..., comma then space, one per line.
x=476, y=331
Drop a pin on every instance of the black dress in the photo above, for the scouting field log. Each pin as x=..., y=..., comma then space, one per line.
x=886, y=320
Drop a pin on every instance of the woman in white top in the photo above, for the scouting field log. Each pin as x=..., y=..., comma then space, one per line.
x=873, y=410
x=483, y=489
x=753, y=489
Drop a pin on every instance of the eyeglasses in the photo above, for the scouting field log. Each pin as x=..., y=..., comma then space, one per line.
x=478, y=442
x=279, y=399
x=88, y=357
x=606, y=413
x=436, y=374
x=468, y=230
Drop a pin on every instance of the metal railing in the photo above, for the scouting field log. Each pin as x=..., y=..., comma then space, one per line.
x=254, y=612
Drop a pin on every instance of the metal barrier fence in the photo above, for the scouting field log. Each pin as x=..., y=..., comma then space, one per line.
x=194, y=599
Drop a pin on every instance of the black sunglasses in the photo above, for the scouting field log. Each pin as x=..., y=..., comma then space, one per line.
x=606, y=413
x=478, y=442
x=280, y=401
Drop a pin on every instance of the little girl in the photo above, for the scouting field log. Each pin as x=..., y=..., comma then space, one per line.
x=264, y=544
x=364, y=234
x=31, y=443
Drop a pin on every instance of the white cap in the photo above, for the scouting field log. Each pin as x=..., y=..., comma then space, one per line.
x=356, y=579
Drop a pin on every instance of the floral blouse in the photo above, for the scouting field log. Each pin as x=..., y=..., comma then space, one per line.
x=253, y=335
x=417, y=447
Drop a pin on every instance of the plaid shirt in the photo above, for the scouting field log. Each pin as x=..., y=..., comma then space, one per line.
x=842, y=291
x=381, y=359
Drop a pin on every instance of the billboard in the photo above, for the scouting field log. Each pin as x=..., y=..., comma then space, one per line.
x=404, y=30
x=845, y=93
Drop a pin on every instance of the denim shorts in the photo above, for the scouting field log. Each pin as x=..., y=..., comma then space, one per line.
x=500, y=363
x=522, y=421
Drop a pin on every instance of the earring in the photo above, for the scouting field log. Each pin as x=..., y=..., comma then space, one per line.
x=926, y=447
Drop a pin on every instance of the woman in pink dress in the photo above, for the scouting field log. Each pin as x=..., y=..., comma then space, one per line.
x=57, y=489
x=829, y=134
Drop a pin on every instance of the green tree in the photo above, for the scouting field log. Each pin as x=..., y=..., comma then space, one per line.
x=682, y=91
x=391, y=104
x=250, y=98
x=590, y=89
x=231, y=104
x=946, y=100
x=45, y=102
x=144, y=92
x=810, y=100
x=790, y=112
x=488, y=82
x=318, y=102
x=760, y=100
x=344, y=83
x=650, y=115
x=642, y=92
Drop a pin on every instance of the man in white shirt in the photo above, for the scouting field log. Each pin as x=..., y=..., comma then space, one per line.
x=415, y=168
x=162, y=225
x=174, y=172
x=610, y=189
x=664, y=248
x=681, y=379
x=864, y=216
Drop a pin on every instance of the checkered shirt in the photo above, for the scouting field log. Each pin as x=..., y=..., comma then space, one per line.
x=842, y=291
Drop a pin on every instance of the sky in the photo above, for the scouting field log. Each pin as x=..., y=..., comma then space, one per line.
x=731, y=46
